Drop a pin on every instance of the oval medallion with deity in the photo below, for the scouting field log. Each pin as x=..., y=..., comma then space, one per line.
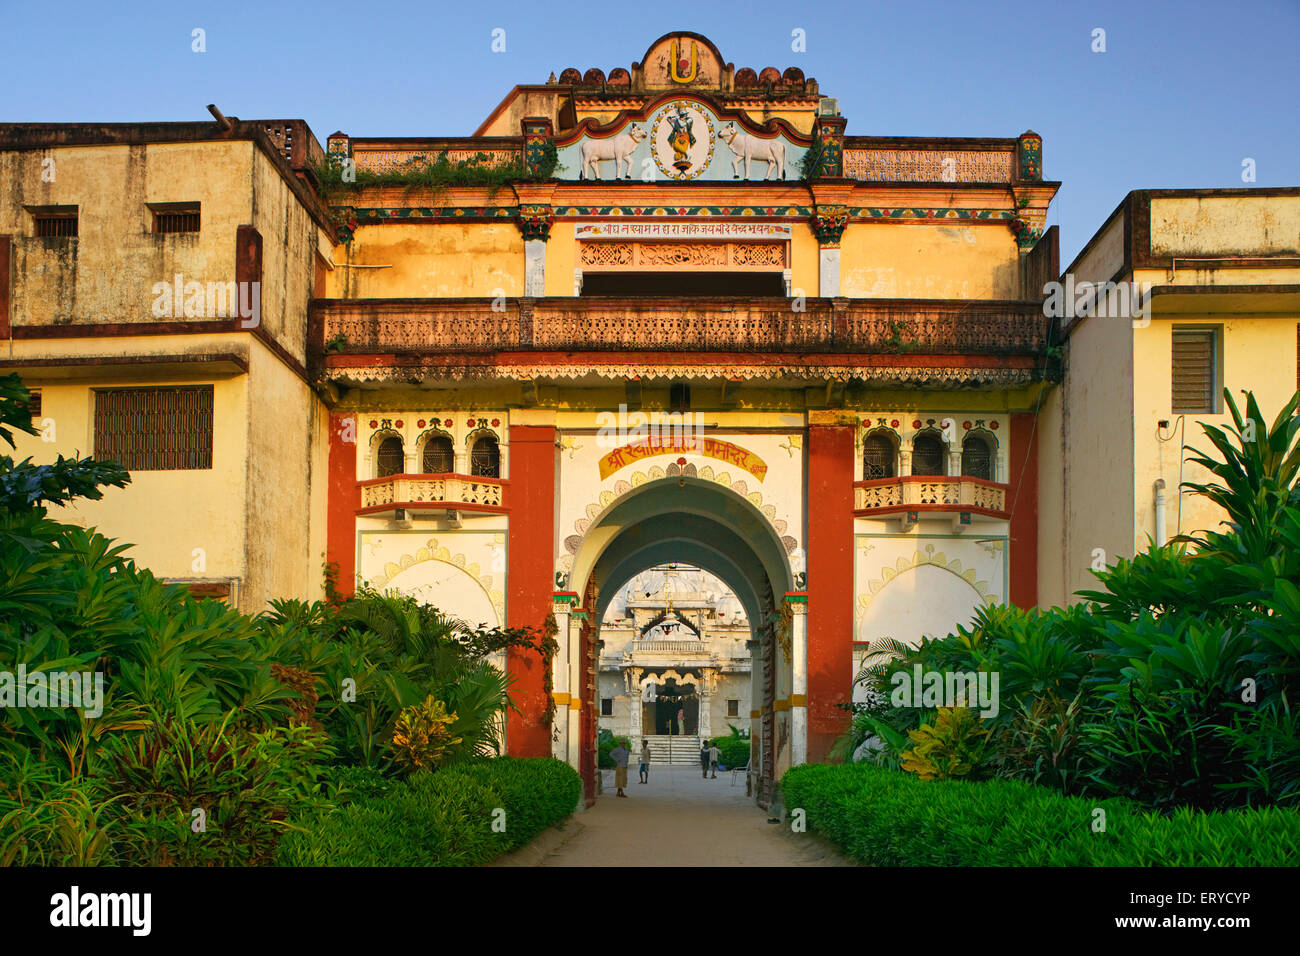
x=682, y=140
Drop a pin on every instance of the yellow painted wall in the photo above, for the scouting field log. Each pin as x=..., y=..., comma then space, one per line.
x=284, y=416
x=165, y=514
x=1097, y=456
x=890, y=260
x=432, y=260
x=1258, y=355
x=1051, y=502
x=561, y=259
x=108, y=272
x=269, y=469
x=805, y=263
x=289, y=242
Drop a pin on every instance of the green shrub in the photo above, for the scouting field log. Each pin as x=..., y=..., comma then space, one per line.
x=439, y=819
x=735, y=750
x=887, y=818
x=431, y=819
x=536, y=794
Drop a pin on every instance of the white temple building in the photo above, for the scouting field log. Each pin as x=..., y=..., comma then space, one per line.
x=675, y=665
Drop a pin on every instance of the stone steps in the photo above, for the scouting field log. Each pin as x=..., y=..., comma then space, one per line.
x=675, y=751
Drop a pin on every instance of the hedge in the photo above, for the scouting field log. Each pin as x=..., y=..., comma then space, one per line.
x=885, y=817
x=439, y=819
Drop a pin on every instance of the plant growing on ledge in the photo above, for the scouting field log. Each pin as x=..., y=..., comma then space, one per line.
x=338, y=343
x=440, y=172
x=896, y=340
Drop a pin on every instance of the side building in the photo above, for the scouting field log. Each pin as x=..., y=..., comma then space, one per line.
x=1180, y=294
x=154, y=283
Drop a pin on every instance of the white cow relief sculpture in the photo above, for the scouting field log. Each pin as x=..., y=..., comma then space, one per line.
x=618, y=148
x=750, y=148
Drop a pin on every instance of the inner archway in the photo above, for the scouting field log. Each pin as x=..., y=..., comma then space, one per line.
x=682, y=520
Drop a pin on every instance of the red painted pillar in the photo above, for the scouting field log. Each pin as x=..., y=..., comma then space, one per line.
x=830, y=583
x=343, y=499
x=1022, y=460
x=531, y=579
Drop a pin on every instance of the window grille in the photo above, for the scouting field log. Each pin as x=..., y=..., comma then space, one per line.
x=927, y=456
x=391, y=459
x=607, y=707
x=976, y=461
x=1193, y=371
x=877, y=458
x=155, y=429
x=679, y=397
x=733, y=708
x=176, y=220
x=439, y=457
x=485, y=459
x=61, y=226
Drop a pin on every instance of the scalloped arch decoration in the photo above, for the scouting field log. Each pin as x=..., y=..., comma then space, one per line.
x=607, y=498
x=433, y=551
x=917, y=559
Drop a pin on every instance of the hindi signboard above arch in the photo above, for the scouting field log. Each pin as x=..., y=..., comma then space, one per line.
x=682, y=137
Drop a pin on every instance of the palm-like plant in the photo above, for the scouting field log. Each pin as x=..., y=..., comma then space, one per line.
x=1257, y=481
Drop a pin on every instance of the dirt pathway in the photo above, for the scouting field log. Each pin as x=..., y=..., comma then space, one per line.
x=678, y=819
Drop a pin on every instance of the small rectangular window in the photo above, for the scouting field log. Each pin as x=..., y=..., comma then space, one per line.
x=1195, y=369
x=54, y=222
x=170, y=217
x=155, y=429
x=34, y=403
x=733, y=708
x=607, y=707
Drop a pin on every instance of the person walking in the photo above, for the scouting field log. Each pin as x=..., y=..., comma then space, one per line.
x=704, y=758
x=619, y=755
x=714, y=753
x=645, y=761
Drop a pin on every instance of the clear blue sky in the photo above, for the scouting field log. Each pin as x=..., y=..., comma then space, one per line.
x=1184, y=92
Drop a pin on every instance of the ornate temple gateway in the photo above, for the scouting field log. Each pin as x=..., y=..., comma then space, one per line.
x=711, y=328
x=669, y=315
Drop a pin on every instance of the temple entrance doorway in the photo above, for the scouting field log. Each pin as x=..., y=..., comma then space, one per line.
x=675, y=711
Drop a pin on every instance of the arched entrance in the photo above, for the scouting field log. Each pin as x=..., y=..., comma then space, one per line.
x=704, y=524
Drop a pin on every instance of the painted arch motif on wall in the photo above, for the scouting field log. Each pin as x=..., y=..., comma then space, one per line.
x=926, y=594
x=448, y=580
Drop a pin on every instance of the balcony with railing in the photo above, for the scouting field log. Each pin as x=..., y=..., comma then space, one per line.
x=903, y=327
x=447, y=492
x=929, y=493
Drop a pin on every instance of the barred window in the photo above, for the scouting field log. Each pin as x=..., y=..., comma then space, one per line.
x=155, y=429
x=55, y=225
x=485, y=459
x=607, y=707
x=976, y=459
x=733, y=708
x=877, y=457
x=391, y=458
x=927, y=455
x=175, y=217
x=439, y=457
x=679, y=397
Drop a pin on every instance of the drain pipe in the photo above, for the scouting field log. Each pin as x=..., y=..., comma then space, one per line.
x=1161, y=537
